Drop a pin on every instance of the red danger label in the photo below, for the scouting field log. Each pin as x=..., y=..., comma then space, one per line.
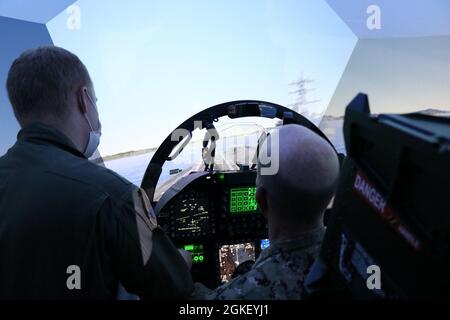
x=377, y=201
x=365, y=189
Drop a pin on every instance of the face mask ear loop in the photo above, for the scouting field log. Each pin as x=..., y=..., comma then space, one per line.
x=85, y=114
x=89, y=123
x=92, y=101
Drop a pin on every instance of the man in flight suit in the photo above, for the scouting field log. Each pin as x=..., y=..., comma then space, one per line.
x=293, y=200
x=71, y=229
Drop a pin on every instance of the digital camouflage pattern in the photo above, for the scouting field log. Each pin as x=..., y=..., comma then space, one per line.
x=278, y=273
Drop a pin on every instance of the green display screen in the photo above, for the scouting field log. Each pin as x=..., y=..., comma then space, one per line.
x=243, y=200
x=197, y=251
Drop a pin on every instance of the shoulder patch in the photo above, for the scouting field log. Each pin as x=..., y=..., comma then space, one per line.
x=143, y=206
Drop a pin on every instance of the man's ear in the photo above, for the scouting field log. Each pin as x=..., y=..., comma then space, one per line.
x=82, y=99
x=261, y=199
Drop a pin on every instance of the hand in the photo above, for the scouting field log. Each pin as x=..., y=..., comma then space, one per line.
x=187, y=256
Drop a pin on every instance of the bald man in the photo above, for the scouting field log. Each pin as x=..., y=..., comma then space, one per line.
x=293, y=199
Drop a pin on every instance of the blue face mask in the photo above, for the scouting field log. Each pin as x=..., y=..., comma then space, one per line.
x=94, y=135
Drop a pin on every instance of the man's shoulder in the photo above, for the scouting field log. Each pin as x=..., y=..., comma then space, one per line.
x=290, y=264
x=91, y=175
x=278, y=275
x=257, y=284
x=61, y=174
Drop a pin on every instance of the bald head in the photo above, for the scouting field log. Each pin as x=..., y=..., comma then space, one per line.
x=308, y=170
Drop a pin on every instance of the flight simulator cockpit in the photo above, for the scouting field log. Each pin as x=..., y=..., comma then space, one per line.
x=210, y=209
x=217, y=219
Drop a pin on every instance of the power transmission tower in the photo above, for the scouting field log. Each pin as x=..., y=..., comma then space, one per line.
x=301, y=93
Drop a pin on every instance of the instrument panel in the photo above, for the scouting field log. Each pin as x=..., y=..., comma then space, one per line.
x=217, y=219
x=190, y=215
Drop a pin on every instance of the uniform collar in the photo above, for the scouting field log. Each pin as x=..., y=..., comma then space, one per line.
x=43, y=134
x=307, y=240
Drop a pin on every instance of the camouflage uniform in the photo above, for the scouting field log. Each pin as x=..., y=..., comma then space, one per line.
x=278, y=273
